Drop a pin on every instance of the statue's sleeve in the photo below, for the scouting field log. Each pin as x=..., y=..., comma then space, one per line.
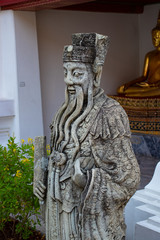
x=115, y=175
x=113, y=153
x=111, y=122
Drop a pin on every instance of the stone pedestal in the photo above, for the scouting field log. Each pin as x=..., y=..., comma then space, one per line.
x=142, y=212
x=148, y=229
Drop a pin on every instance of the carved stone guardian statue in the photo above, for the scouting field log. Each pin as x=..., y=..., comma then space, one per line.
x=92, y=170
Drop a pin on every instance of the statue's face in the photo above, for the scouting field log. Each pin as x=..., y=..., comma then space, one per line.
x=77, y=73
x=156, y=38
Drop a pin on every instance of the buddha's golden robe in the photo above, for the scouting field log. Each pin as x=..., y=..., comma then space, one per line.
x=149, y=83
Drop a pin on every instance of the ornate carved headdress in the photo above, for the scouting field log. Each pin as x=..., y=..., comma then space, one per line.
x=87, y=48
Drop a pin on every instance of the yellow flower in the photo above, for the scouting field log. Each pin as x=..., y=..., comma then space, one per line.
x=48, y=152
x=32, y=148
x=6, y=168
x=18, y=174
x=22, y=141
x=48, y=149
x=25, y=160
x=30, y=140
x=14, y=150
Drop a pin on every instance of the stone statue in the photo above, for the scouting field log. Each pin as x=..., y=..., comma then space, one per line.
x=92, y=170
x=149, y=83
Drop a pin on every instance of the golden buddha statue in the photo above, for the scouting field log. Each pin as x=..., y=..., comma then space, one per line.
x=148, y=84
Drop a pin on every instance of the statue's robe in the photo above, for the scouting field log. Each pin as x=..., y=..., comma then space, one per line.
x=107, y=159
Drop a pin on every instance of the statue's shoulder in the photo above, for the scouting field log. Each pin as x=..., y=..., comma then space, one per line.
x=111, y=121
x=151, y=54
x=110, y=102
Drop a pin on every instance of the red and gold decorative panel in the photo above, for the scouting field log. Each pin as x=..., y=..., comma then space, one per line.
x=143, y=113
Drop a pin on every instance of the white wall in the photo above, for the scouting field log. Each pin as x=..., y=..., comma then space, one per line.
x=19, y=76
x=29, y=89
x=54, y=30
x=8, y=75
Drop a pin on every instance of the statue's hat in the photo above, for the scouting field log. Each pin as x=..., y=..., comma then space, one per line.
x=87, y=48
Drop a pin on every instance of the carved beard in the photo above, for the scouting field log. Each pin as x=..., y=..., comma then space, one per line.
x=72, y=113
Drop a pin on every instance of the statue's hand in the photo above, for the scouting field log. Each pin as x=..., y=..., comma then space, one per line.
x=127, y=85
x=40, y=191
x=79, y=177
x=58, y=158
x=157, y=84
x=135, y=81
x=143, y=84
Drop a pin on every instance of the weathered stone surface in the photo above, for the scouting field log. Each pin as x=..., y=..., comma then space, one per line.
x=92, y=170
x=40, y=170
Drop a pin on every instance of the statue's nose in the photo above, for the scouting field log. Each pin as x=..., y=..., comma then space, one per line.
x=68, y=79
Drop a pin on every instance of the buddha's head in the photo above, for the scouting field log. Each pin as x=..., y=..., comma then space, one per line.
x=156, y=38
x=156, y=33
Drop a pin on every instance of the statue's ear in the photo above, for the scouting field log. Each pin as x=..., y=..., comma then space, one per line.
x=97, y=78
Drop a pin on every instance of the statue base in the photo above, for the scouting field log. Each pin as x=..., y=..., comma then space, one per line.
x=143, y=113
x=142, y=213
x=146, y=145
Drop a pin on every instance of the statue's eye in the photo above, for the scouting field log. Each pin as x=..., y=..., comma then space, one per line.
x=77, y=74
x=65, y=73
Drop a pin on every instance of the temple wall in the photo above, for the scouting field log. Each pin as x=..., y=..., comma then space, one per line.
x=9, y=120
x=28, y=77
x=20, y=92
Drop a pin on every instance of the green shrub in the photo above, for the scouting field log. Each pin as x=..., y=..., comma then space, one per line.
x=16, y=186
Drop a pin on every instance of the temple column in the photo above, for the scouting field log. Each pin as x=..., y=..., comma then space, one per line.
x=19, y=76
